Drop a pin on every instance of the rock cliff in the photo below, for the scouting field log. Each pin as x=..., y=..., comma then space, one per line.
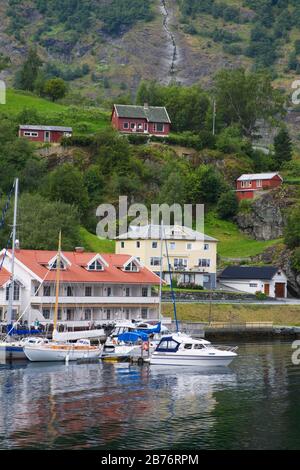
x=264, y=218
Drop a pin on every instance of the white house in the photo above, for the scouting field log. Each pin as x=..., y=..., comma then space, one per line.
x=267, y=279
x=93, y=288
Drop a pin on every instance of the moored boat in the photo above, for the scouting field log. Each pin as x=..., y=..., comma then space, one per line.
x=180, y=349
x=54, y=351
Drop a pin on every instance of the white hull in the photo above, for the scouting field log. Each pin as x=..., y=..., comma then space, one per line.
x=190, y=361
x=118, y=351
x=47, y=354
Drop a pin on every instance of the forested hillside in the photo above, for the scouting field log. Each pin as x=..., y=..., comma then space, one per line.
x=105, y=47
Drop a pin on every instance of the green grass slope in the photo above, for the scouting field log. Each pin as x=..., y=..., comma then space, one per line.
x=232, y=242
x=84, y=120
x=92, y=243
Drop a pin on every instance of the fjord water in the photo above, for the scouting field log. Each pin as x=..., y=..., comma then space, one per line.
x=253, y=404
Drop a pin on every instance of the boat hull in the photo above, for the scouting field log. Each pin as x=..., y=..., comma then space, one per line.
x=201, y=361
x=36, y=354
x=11, y=352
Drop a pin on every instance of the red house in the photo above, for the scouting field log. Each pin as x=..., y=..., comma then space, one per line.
x=249, y=185
x=150, y=120
x=50, y=134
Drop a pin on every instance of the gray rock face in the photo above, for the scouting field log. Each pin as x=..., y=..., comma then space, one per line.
x=265, y=218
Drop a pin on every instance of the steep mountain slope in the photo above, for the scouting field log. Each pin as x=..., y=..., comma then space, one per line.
x=119, y=42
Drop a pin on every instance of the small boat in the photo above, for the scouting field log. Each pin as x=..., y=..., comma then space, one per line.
x=47, y=351
x=127, y=346
x=180, y=349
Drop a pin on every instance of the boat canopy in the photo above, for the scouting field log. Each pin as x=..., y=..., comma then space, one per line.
x=133, y=337
x=150, y=331
x=11, y=331
x=167, y=344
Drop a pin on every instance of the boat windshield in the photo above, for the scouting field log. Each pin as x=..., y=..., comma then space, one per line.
x=167, y=344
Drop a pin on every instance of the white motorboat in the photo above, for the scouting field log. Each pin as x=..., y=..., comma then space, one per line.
x=180, y=349
x=46, y=351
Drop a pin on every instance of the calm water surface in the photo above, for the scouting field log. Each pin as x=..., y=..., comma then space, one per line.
x=255, y=403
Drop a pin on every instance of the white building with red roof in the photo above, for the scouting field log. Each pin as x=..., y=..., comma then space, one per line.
x=94, y=288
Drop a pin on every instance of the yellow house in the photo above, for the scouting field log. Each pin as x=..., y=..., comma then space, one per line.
x=192, y=255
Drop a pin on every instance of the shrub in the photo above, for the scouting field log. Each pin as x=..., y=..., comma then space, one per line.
x=260, y=295
x=245, y=206
x=227, y=206
x=77, y=141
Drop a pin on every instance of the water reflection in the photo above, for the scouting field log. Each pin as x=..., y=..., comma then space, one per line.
x=114, y=406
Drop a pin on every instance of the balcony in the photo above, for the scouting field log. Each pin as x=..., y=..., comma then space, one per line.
x=96, y=300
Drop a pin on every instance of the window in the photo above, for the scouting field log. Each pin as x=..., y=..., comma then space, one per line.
x=198, y=346
x=132, y=125
x=172, y=245
x=159, y=127
x=180, y=262
x=138, y=244
x=88, y=291
x=46, y=313
x=109, y=292
x=125, y=125
x=206, y=246
x=188, y=346
x=47, y=291
x=122, y=244
x=253, y=284
x=59, y=314
x=127, y=314
x=154, y=244
x=88, y=314
x=54, y=265
x=70, y=314
x=189, y=246
x=144, y=291
x=246, y=184
x=127, y=292
x=204, y=263
x=144, y=313
x=154, y=261
x=70, y=291
x=95, y=266
x=108, y=314
x=16, y=291
x=131, y=267
x=31, y=134
x=259, y=183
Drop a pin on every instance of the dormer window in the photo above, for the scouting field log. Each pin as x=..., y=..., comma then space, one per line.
x=54, y=265
x=132, y=267
x=95, y=266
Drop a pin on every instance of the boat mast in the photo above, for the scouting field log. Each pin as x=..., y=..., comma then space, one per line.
x=171, y=286
x=57, y=284
x=161, y=271
x=12, y=284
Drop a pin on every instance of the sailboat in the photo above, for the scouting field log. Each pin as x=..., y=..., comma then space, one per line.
x=57, y=350
x=180, y=349
x=11, y=349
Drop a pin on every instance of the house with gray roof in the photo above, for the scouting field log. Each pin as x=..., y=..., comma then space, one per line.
x=270, y=280
x=148, y=120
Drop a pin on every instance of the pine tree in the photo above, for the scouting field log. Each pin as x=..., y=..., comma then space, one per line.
x=28, y=74
x=283, y=147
